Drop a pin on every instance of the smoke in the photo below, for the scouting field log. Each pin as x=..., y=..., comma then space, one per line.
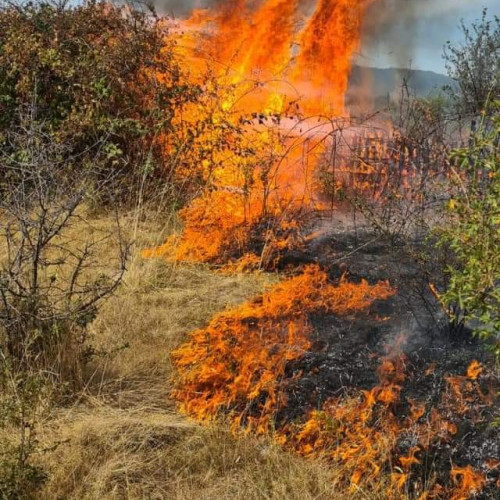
x=397, y=31
x=390, y=28
x=181, y=7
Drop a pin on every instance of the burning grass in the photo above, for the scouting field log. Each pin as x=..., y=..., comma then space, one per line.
x=237, y=363
x=418, y=444
x=220, y=228
x=381, y=431
x=122, y=439
x=254, y=165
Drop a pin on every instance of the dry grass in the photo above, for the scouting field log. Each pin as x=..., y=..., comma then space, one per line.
x=139, y=454
x=121, y=437
x=158, y=304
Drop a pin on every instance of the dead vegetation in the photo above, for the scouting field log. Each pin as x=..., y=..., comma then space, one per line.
x=136, y=453
x=121, y=436
x=237, y=160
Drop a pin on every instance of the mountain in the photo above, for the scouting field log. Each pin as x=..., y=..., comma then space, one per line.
x=376, y=84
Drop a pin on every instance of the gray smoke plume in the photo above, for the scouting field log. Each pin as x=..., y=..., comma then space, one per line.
x=390, y=28
x=181, y=8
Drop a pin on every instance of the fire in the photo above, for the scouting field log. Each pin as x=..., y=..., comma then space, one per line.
x=264, y=60
x=327, y=45
x=474, y=370
x=236, y=366
x=237, y=363
x=274, y=42
x=273, y=77
x=224, y=228
x=267, y=120
x=273, y=85
x=362, y=435
x=469, y=482
x=360, y=432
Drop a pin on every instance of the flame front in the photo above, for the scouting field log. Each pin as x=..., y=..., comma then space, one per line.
x=237, y=362
x=274, y=80
x=273, y=83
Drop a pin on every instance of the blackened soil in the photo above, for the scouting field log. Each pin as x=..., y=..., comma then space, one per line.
x=347, y=351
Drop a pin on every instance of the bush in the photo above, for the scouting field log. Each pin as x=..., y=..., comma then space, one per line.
x=475, y=65
x=51, y=284
x=473, y=234
x=101, y=77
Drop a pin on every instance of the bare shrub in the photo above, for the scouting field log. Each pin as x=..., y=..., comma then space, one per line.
x=51, y=285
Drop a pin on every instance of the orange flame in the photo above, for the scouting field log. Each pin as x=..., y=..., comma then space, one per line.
x=326, y=48
x=361, y=434
x=469, y=482
x=264, y=62
x=235, y=364
x=262, y=58
x=261, y=44
x=474, y=370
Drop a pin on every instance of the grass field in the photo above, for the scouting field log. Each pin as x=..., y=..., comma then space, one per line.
x=120, y=436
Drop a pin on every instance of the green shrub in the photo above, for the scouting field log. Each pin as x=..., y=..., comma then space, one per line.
x=473, y=234
x=103, y=78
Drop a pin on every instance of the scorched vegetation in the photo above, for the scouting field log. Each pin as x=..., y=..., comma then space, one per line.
x=219, y=281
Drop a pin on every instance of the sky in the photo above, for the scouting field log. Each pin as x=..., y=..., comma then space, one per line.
x=401, y=33
x=414, y=32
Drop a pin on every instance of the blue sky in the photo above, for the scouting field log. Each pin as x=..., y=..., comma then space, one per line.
x=414, y=32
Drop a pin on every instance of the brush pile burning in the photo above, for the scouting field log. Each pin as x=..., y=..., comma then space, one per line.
x=357, y=367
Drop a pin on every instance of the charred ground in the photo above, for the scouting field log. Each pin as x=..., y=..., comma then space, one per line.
x=346, y=354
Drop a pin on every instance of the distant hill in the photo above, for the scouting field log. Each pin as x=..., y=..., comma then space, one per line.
x=376, y=84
